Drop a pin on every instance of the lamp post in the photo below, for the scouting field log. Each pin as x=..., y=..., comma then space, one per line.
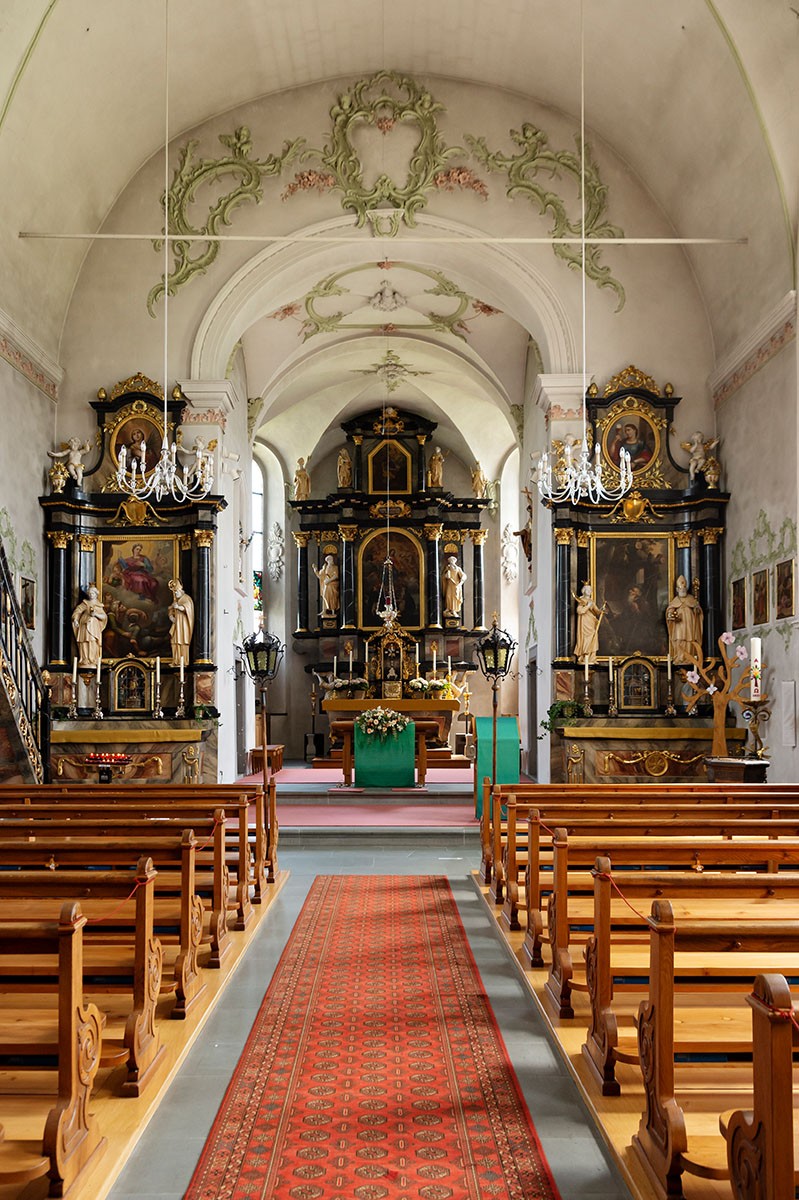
x=494, y=653
x=262, y=653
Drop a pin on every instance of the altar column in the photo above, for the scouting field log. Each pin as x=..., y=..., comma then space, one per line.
x=432, y=535
x=204, y=540
x=421, y=481
x=301, y=542
x=58, y=605
x=357, y=472
x=563, y=541
x=348, y=534
x=478, y=537
x=710, y=587
x=87, y=561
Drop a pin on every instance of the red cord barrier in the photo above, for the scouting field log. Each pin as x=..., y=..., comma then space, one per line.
x=99, y=920
x=617, y=889
x=211, y=838
x=784, y=1014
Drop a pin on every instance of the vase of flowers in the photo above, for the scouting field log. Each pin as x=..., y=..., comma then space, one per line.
x=417, y=687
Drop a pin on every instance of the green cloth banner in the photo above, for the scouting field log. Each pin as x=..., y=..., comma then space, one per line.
x=507, y=753
x=385, y=762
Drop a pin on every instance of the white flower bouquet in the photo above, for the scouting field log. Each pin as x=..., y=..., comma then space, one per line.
x=382, y=722
x=417, y=685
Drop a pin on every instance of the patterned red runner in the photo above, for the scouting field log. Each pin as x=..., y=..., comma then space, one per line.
x=375, y=1067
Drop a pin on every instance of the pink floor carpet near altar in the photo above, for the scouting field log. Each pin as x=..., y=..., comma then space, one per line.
x=332, y=776
x=384, y=816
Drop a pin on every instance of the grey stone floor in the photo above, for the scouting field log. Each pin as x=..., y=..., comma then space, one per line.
x=163, y=1162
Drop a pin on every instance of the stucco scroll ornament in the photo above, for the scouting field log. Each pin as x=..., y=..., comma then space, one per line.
x=189, y=258
x=275, y=547
x=522, y=170
x=510, y=555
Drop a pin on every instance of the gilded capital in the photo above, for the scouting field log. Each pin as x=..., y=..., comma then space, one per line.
x=711, y=535
x=478, y=536
x=348, y=533
x=582, y=538
x=301, y=539
x=433, y=532
x=87, y=542
x=357, y=439
x=184, y=541
x=421, y=438
x=563, y=537
x=683, y=539
x=204, y=538
x=59, y=538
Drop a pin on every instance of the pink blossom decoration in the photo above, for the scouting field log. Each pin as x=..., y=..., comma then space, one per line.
x=741, y=653
x=711, y=689
x=692, y=676
x=728, y=638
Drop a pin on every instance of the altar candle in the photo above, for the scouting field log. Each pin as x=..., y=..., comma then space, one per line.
x=585, y=663
x=610, y=668
x=158, y=669
x=99, y=666
x=366, y=654
x=417, y=658
x=74, y=671
x=668, y=666
x=449, y=665
x=335, y=661
x=755, y=668
x=434, y=660
x=350, y=662
x=181, y=670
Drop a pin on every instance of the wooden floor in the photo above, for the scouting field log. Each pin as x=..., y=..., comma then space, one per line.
x=617, y=1117
x=123, y=1119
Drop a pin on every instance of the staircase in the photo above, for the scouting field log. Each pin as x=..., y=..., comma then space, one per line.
x=24, y=696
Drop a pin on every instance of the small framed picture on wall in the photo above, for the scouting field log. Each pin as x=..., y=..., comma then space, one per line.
x=738, y=603
x=784, y=598
x=27, y=600
x=759, y=597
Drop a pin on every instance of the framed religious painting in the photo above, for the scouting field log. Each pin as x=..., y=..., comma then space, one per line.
x=27, y=600
x=738, y=603
x=784, y=597
x=633, y=584
x=133, y=581
x=760, y=605
x=635, y=432
x=141, y=435
x=408, y=578
x=390, y=469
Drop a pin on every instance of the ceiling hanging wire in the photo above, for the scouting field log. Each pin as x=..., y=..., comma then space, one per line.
x=578, y=479
x=166, y=478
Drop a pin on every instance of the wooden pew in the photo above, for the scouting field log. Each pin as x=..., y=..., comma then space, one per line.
x=760, y=1143
x=687, y=854
x=665, y=1141
x=123, y=958
x=619, y=945
x=71, y=1032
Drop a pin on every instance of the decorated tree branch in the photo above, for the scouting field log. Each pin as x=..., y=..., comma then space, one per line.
x=723, y=680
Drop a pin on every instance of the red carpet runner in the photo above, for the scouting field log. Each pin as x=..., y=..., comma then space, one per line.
x=375, y=1067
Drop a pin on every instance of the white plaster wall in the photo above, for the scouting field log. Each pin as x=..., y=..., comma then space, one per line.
x=758, y=428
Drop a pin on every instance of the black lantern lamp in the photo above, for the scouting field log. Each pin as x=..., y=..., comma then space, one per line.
x=262, y=653
x=494, y=653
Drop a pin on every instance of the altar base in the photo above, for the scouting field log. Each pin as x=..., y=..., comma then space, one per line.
x=736, y=770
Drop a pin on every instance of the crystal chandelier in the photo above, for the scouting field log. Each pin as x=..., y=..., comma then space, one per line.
x=167, y=477
x=576, y=478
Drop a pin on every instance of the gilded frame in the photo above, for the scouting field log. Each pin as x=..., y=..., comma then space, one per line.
x=760, y=597
x=637, y=686
x=131, y=682
x=393, y=473
x=26, y=595
x=409, y=577
x=785, y=589
x=133, y=574
x=738, y=604
x=634, y=576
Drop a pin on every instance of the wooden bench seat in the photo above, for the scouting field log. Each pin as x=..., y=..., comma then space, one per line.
x=69, y=1033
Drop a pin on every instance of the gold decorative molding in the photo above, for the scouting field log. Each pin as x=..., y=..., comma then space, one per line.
x=433, y=532
x=204, y=538
x=563, y=537
x=330, y=548
x=301, y=539
x=582, y=539
x=390, y=508
x=683, y=539
x=357, y=439
x=87, y=542
x=711, y=535
x=348, y=533
x=631, y=377
x=184, y=541
x=575, y=765
x=655, y=762
x=60, y=538
x=135, y=512
x=670, y=733
x=128, y=735
x=136, y=383
x=478, y=536
x=633, y=509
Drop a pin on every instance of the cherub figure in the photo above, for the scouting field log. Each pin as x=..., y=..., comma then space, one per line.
x=698, y=449
x=73, y=453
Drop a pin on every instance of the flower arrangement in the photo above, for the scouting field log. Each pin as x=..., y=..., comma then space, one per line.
x=437, y=685
x=715, y=680
x=382, y=722
x=417, y=685
x=340, y=683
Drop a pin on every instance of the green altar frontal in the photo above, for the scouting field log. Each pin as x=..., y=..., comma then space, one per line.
x=507, y=754
x=385, y=762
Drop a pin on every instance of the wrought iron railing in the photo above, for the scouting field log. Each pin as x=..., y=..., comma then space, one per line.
x=22, y=681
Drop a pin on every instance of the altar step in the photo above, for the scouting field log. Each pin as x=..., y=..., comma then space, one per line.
x=441, y=758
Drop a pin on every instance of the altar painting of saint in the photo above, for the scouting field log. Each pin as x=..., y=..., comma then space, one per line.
x=389, y=469
x=633, y=577
x=134, y=587
x=406, y=559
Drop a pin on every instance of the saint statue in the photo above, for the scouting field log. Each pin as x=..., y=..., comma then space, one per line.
x=302, y=481
x=181, y=616
x=589, y=616
x=328, y=586
x=436, y=468
x=453, y=579
x=685, y=622
x=479, y=481
x=344, y=468
x=89, y=619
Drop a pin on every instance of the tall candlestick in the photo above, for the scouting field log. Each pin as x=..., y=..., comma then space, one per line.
x=335, y=661
x=755, y=668
x=585, y=663
x=158, y=669
x=99, y=668
x=74, y=671
x=434, y=660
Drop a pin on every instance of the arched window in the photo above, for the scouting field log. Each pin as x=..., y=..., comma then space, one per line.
x=257, y=543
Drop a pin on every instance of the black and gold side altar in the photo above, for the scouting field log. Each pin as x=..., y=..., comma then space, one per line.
x=391, y=501
x=632, y=551
x=129, y=549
